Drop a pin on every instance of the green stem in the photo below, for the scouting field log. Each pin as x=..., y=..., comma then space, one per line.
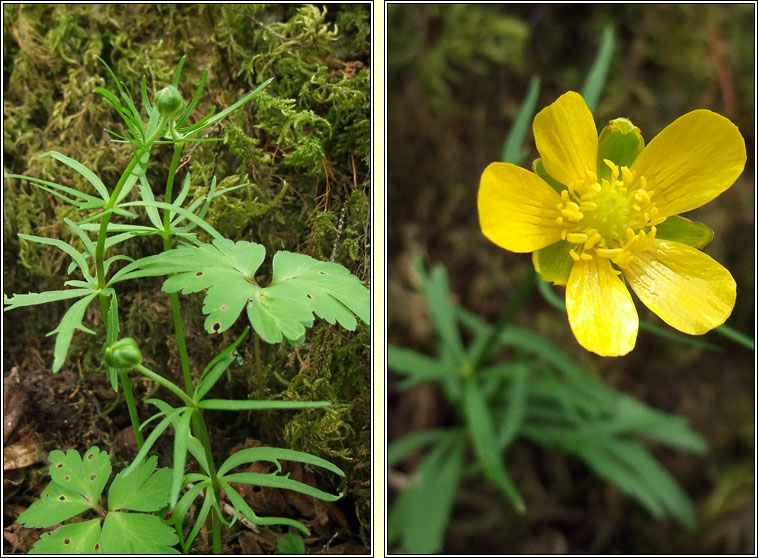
x=100, y=269
x=167, y=384
x=259, y=368
x=105, y=220
x=123, y=376
x=173, y=297
x=482, y=351
x=214, y=522
x=736, y=336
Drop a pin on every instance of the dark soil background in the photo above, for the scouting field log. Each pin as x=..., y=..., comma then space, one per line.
x=457, y=77
x=304, y=147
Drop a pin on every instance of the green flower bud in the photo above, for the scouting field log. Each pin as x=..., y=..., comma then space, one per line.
x=124, y=353
x=169, y=102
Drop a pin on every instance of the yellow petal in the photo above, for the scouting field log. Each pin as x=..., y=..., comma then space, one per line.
x=566, y=138
x=693, y=160
x=600, y=309
x=685, y=287
x=517, y=209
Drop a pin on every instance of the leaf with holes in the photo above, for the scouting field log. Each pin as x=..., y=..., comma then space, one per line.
x=137, y=533
x=56, y=504
x=77, y=538
x=76, y=485
x=86, y=476
x=300, y=286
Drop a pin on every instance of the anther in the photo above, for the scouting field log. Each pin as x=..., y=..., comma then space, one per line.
x=592, y=240
x=588, y=206
x=609, y=253
x=627, y=176
x=576, y=238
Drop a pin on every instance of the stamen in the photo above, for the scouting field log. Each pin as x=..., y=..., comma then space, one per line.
x=627, y=176
x=588, y=205
x=592, y=240
x=576, y=238
x=609, y=253
x=642, y=197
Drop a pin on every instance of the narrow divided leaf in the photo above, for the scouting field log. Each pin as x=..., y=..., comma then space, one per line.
x=30, y=299
x=482, y=433
x=273, y=455
x=71, y=321
x=89, y=175
x=240, y=505
x=277, y=481
x=181, y=434
x=421, y=512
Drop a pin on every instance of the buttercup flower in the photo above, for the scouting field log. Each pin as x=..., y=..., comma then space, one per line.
x=601, y=213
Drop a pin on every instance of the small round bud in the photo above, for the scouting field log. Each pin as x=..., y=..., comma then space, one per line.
x=169, y=102
x=124, y=353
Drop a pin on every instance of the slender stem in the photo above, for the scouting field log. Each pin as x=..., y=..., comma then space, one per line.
x=485, y=349
x=181, y=345
x=173, y=297
x=167, y=384
x=736, y=336
x=259, y=368
x=105, y=220
x=214, y=522
x=100, y=270
x=123, y=376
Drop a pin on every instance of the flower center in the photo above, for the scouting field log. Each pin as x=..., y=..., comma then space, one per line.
x=607, y=217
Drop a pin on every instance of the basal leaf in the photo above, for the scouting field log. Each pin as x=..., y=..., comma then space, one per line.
x=137, y=533
x=300, y=286
x=77, y=538
x=56, y=504
x=84, y=475
x=145, y=489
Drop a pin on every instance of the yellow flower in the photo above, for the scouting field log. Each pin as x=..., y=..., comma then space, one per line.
x=601, y=212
